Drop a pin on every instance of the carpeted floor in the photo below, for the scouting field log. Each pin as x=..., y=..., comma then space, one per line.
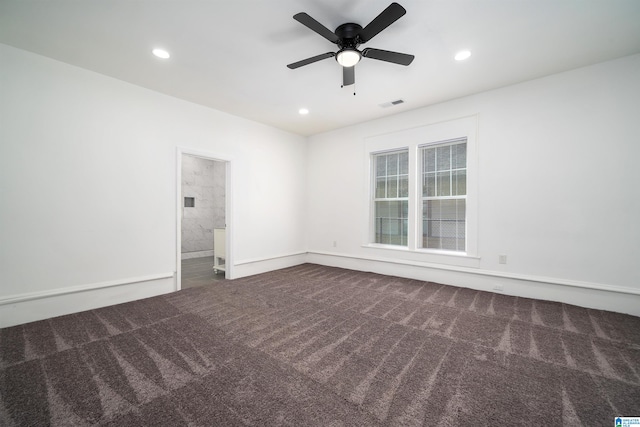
x=321, y=346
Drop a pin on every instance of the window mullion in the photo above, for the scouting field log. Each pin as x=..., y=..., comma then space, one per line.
x=450, y=170
x=386, y=177
x=413, y=188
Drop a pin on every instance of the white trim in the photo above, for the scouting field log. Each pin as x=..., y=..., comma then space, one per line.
x=254, y=260
x=12, y=299
x=264, y=265
x=229, y=221
x=31, y=307
x=414, y=138
x=433, y=252
x=490, y=273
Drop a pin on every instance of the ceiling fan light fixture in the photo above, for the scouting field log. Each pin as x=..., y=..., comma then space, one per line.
x=348, y=57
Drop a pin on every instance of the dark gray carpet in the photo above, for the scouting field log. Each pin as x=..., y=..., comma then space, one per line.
x=313, y=345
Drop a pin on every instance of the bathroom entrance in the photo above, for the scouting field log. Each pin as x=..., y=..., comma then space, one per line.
x=202, y=217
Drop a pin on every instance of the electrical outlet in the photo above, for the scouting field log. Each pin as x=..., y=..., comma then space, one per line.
x=502, y=259
x=335, y=243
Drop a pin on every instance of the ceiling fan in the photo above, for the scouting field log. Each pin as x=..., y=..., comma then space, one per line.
x=349, y=36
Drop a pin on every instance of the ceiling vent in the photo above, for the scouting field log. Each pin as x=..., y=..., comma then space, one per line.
x=392, y=103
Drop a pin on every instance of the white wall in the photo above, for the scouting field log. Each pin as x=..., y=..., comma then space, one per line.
x=88, y=184
x=557, y=190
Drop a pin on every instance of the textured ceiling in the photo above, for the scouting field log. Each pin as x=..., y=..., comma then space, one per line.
x=232, y=55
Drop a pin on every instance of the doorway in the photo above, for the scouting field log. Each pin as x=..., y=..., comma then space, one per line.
x=202, y=231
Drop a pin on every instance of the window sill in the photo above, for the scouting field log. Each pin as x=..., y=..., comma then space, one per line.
x=424, y=256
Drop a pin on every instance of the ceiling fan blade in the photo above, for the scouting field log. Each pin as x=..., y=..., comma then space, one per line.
x=388, y=56
x=314, y=25
x=311, y=60
x=348, y=76
x=387, y=17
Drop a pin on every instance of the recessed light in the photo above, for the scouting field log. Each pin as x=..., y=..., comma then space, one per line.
x=161, y=53
x=462, y=55
x=303, y=111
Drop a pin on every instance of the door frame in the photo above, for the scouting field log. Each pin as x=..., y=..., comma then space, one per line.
x=228, y=209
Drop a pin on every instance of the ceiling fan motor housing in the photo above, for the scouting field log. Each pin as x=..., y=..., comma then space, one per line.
x=348, y=35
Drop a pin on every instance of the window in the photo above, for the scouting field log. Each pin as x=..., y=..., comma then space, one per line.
x=391, y=197
x=423, y=200
x=444, y=195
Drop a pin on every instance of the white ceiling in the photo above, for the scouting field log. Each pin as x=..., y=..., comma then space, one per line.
x=231, y=55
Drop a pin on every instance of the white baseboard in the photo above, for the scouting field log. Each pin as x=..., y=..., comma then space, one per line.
x=589, y=295
x=24, y=308
x=262, y=265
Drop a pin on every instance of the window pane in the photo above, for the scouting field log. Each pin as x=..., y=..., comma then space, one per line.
x=392, y=164
x=429, y=185
x=444, y=224
x=405, y=209
x=391, y=222
x=444, y=184
x=381, y=227
x=404, y=162
x=429, y=159
x=444, y=158
x=390, y=170
x=447, y=209
x=459, y=186
x=382, y=209
x=461, y=230
x=381, y=165
x=403, y=191
x=405, y=228
x=460, y=155
x=396, y=209
x=381, y=188
x=392, y=187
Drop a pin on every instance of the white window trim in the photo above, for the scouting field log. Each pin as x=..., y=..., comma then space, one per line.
x=413, y=139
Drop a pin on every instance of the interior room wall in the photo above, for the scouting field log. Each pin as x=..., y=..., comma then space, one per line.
x=88, y=187
x=557, y=185
x=203, y=180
